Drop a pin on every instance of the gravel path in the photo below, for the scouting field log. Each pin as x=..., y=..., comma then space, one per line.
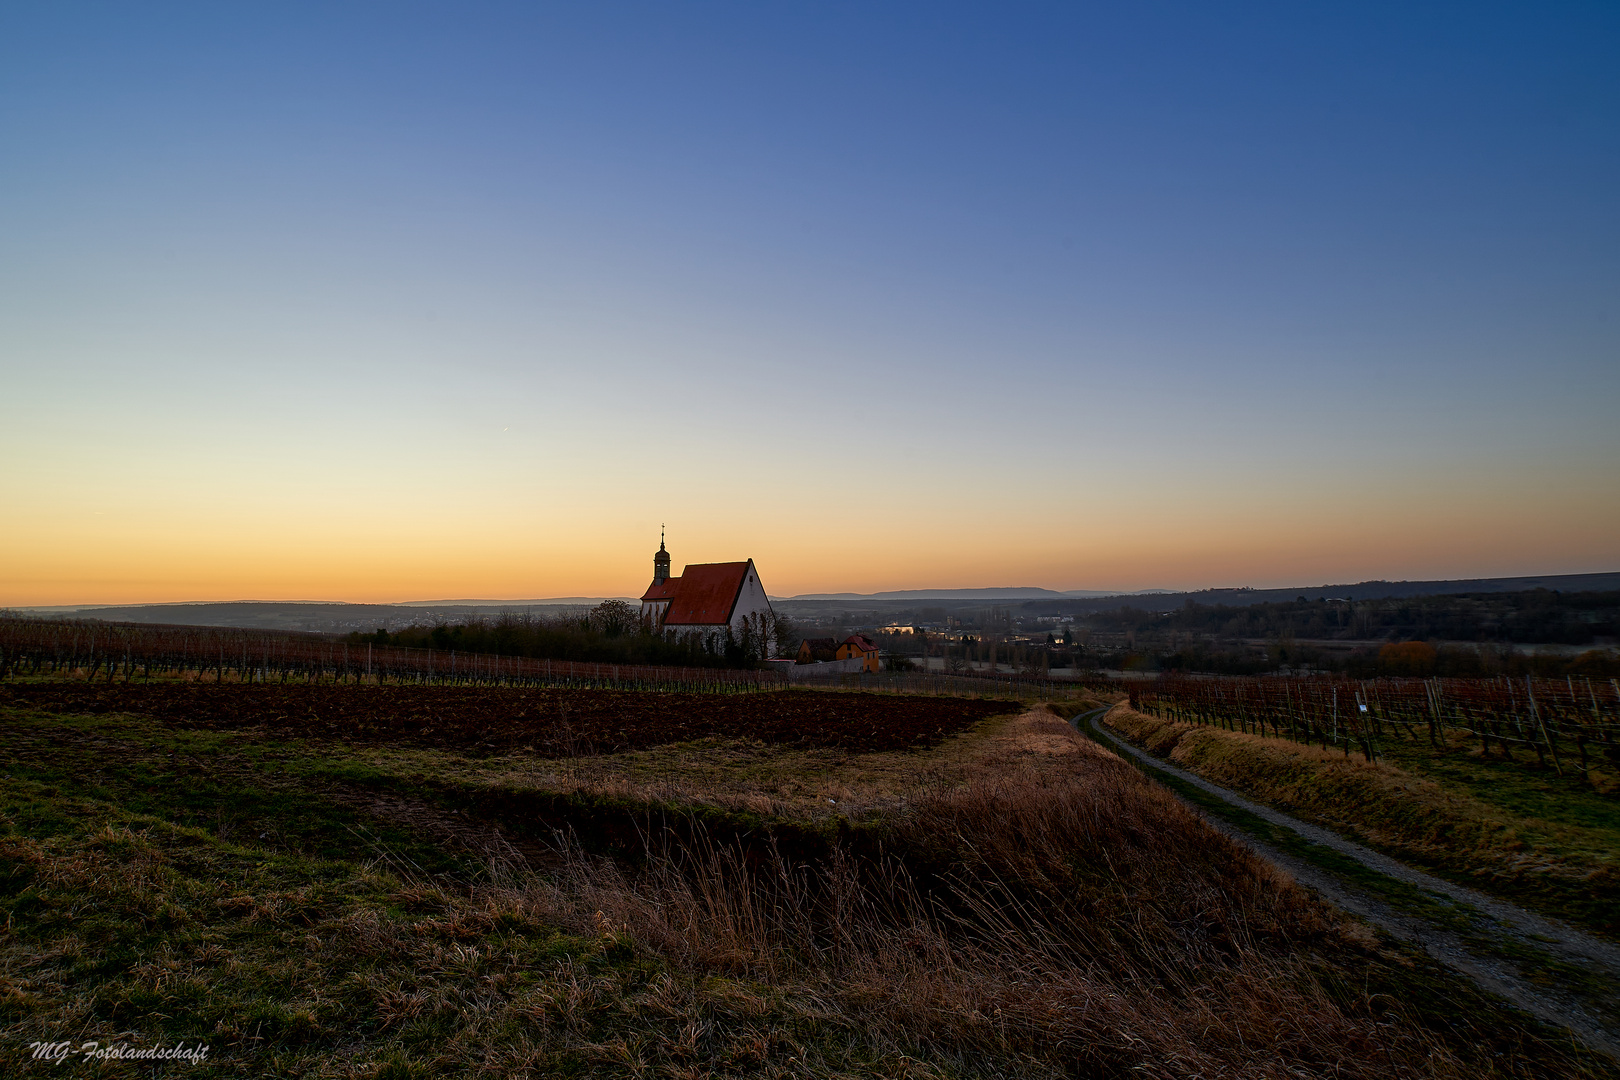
x=1516, y=931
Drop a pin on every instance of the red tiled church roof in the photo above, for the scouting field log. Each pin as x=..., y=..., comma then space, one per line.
x=707, y=594
x=664, y=590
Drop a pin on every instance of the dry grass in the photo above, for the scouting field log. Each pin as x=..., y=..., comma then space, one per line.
x=1390, y=807
x=1018, y=902
x=1071, y=916
x=739, y=775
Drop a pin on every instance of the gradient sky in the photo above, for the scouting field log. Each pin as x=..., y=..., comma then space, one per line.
x=391, y=301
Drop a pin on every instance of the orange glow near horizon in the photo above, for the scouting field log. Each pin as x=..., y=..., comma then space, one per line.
x=171, y=554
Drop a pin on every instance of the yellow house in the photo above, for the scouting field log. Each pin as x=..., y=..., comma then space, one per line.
x=859, y=646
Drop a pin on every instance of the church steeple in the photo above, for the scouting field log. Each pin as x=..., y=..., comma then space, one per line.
x=660, y=561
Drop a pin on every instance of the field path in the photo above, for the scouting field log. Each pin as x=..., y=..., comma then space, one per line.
x=1577, y=983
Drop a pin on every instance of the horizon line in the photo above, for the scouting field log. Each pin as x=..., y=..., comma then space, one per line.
x=945, y=593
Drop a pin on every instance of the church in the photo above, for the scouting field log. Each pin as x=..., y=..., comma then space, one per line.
x=707, y=599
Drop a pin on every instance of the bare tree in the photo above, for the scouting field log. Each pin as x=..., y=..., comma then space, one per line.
x=784, y=635
x=763, y=634
x=614, y=618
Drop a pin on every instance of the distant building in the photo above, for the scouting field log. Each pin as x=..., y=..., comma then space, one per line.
x=818, y=650
x=817, y=656
x=859, y=647
x=707, y=599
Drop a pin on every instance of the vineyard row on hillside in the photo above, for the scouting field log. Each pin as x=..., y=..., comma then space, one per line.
x=122, y=651
x=128, y=652
x=1564, y=721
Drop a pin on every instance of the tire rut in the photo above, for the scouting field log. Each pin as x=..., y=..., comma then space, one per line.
x=1494, y=970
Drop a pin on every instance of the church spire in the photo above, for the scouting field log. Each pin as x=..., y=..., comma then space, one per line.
x=660, y=560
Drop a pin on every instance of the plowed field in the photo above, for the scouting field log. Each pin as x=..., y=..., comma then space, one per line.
x=541, y=721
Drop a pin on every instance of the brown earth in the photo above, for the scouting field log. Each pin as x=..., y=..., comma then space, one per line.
x=548, y=722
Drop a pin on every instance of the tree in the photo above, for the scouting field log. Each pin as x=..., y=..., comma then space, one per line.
x=762, y=635
x=614, y=618
x=784, y=635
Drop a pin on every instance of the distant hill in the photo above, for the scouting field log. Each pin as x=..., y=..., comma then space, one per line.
x=325, y=617
x=1021, y=592
x=551, y=601
x=318, y=616
x=1365, y=590
x=902, y=603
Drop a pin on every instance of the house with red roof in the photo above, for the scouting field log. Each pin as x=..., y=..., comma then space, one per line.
x=855, y=653
x=707, y=599
x=859, y=647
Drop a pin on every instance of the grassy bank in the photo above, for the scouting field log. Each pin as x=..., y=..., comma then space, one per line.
x=1550, y=843
x=1009, y=900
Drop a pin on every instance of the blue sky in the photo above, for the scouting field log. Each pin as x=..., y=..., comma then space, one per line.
x=389, y=301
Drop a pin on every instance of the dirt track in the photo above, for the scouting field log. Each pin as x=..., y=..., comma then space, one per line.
x=1515, y=931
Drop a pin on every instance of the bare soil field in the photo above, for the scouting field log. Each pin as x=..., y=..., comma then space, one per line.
x=564, y=721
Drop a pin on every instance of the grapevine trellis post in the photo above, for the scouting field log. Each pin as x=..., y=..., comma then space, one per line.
x=1307, y=708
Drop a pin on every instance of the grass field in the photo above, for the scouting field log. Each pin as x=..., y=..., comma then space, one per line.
x=1005, y=899
x=1521, y=832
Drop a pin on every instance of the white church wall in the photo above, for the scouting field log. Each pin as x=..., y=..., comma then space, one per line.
x=751, y=600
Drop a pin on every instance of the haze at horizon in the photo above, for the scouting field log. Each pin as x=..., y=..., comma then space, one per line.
x=322, y=303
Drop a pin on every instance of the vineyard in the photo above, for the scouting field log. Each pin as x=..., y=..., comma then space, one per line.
x=1564, y=721
x=123, y=651
x=126, y=652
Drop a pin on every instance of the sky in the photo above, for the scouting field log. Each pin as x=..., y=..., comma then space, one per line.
x=382, y=302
